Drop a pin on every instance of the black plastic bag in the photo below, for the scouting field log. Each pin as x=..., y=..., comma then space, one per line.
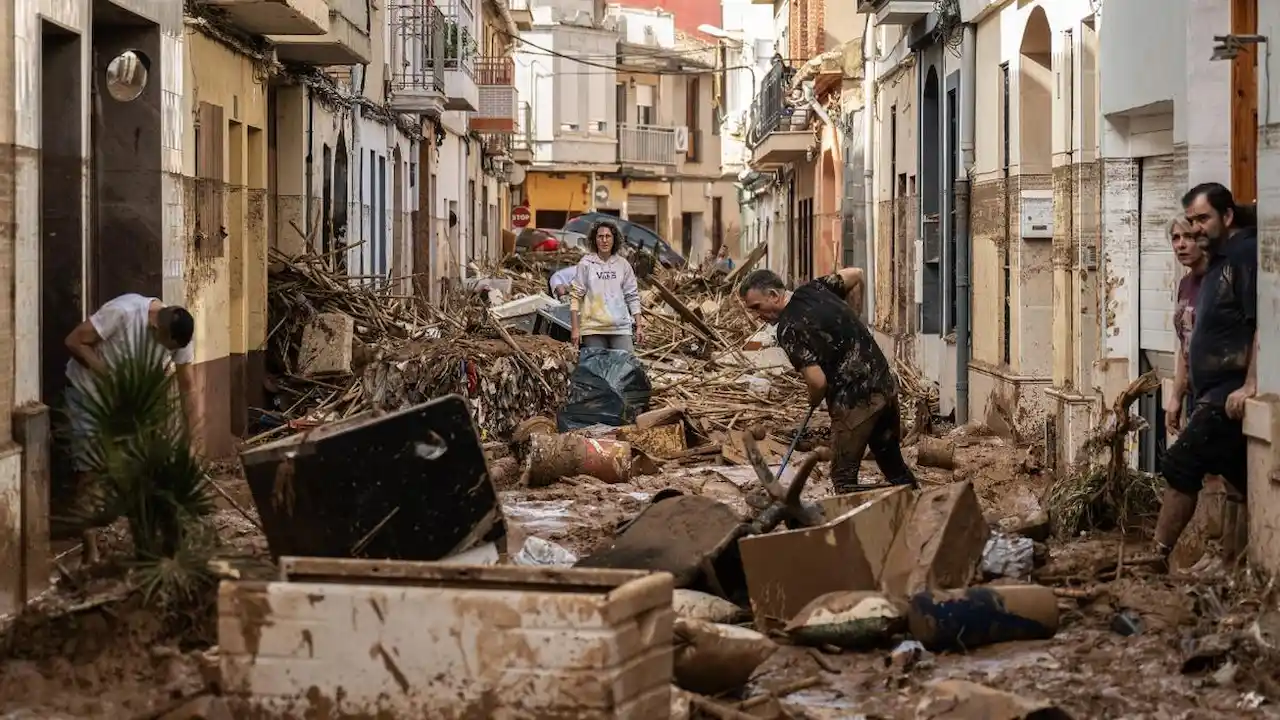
x=609, y=387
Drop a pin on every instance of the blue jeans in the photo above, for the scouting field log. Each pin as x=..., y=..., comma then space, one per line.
x=608, y=342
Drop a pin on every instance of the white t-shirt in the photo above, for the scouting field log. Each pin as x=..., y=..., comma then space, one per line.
x=116, y=322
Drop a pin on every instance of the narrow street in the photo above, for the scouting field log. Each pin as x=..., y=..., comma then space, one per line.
x=550, y=359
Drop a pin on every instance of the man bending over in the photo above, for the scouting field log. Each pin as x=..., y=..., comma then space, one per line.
x=820, y=329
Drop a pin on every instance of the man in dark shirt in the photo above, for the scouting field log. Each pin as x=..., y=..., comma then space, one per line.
x=1221, y=356
x=820, y=330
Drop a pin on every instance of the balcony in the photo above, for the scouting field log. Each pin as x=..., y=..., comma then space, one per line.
x=521, y=13
x=495, y=77
x=778, y=134
x=460, y=90
x=346, y=43
x=522, y=141
x=646, y=145
x=417, y=33
x=897, y=12
x=276, y=17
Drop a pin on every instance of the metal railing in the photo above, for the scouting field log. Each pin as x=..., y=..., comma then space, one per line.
x=646, y=144
x=523, y=139
x=770, y=106
x=496, y=143
x=418, y=30
x=495, y=71
x=459, y=36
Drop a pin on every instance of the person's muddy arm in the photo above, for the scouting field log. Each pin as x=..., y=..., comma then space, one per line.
x=816, y=382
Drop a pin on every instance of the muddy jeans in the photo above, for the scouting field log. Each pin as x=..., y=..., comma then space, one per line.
x=876, y=424
x=1210, y=444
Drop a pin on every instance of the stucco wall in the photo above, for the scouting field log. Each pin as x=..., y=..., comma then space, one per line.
x=225, y=280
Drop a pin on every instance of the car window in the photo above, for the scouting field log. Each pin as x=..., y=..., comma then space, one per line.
x=580, y=224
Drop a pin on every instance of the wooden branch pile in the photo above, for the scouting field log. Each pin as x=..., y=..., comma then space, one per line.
x=400, y=356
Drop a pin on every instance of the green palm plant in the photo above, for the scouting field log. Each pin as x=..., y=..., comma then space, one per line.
x=135, y=443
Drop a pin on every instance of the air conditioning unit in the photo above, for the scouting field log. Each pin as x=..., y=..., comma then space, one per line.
x=682, y=139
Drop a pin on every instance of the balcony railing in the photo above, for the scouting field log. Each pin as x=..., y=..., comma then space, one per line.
x=495, y=71
x=496, y=143
x=646, y=144
x=523, y=139
x=770, y=106
x=418, y=29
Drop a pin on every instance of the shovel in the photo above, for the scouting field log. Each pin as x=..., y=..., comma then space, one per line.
x=795, y=441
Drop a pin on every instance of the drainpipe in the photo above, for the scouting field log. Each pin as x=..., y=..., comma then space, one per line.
x=307, y=181
x=968, y=71
x=869, y=88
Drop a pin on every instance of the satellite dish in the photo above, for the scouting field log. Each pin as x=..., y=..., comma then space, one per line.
x=515, y=174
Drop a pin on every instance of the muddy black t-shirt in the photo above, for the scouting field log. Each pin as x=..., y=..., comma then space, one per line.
x=1226, y=318
x=819, y=328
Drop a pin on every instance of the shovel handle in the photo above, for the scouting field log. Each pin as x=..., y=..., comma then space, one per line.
x=786, y=459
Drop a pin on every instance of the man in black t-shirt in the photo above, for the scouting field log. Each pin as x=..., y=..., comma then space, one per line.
x=838, y=358
x=1221, y=359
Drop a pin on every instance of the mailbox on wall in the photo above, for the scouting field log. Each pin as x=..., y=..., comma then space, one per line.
x=1036, y=210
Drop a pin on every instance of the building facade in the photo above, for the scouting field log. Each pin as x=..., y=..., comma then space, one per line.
x=803, y=136
x=1161, y=133
x=623, y=119
x=92, y=176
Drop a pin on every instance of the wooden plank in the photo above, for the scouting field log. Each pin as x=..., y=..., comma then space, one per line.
x=1244, y=105
x=31, y=429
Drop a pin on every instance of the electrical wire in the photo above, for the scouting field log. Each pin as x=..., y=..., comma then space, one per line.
x=620, y=68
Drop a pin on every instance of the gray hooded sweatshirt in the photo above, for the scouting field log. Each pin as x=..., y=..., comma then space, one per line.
x=605, y=296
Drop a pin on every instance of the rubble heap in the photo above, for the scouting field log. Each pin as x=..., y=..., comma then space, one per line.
x=337, y=348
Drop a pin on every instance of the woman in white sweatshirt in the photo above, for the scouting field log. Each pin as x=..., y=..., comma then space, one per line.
x=604, y=300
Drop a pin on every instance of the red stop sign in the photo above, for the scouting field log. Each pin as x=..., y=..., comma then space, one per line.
x=520, y=216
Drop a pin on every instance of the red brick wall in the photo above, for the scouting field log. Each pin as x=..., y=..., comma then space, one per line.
x=806, y=39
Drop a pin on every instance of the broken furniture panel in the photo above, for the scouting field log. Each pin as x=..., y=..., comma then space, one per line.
x=408, y=485
x=786, y=570
x=359, y=638
x=940, y=545
x=689, y=536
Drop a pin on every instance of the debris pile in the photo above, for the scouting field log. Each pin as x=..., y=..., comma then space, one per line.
x=337, y=348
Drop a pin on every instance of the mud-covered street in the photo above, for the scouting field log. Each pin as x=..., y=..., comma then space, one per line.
x=1204, y=647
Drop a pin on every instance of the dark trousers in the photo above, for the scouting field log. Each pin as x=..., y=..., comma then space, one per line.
x=875, y=424
x=1210, y=444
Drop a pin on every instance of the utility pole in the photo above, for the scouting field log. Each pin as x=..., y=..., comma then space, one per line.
x=1244, y=103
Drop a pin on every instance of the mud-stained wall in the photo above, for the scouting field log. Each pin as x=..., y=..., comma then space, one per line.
x=224, y=191
x=896, y=209
x=23, y=340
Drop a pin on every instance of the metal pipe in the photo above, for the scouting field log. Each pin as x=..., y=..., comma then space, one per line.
x=962, y=189
x=869, y=92
x=310, y=163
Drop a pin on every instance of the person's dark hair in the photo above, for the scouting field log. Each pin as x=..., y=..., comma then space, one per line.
x=1217, y=195
x=177, y=323
x=595, y=230
x=762, y=281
